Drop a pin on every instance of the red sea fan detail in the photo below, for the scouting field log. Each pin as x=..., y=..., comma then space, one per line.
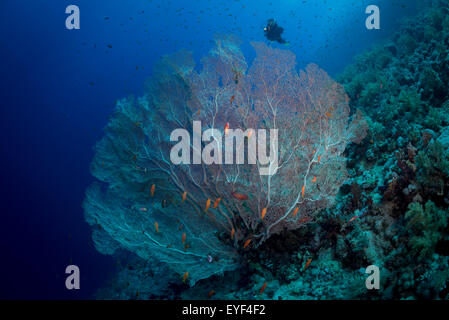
x=307, y=111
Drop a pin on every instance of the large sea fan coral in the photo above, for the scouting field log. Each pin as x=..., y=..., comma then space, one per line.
x=198, y=217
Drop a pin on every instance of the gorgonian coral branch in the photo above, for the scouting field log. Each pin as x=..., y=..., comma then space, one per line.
x=198, y=216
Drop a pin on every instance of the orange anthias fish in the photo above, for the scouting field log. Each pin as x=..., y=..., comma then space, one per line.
x=295, y=212
x=156, y=225
x=352, y=219
x=307, y=263
x=264, y=212
x=216, y=202
x=210, y=294
x=232, y=233
x=226, y=128
x=183, y=238
x=314, y=179
x=207, y=204
x=153, y=187
x=319, y=158
x=263, y=288
x=232, y=99
x=184, y=278
x=303, y=191
x=184, y=195
x=239, y=196
x=247, y=242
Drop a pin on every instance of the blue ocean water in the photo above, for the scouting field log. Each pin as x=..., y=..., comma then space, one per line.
x=59, y=87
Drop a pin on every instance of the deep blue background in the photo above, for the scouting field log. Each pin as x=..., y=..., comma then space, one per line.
x=58, y=89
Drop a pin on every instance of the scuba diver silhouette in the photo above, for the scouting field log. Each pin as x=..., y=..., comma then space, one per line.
x=273, y=32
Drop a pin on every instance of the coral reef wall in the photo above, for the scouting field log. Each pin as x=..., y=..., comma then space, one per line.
x=403, y=179
x=392, y=209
